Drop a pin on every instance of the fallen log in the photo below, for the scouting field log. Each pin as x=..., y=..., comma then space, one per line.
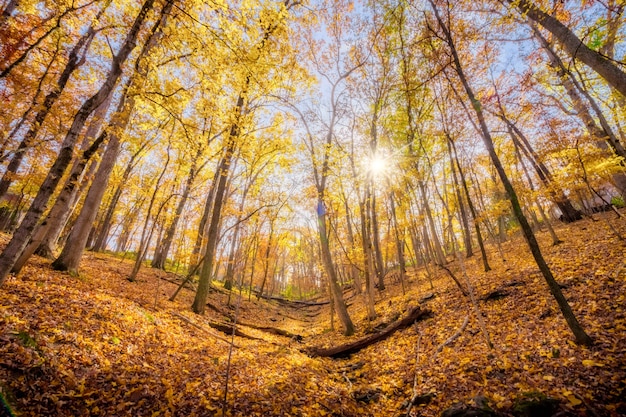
x=197, y=326
x=295, y=303
x=227, y=329
x=416, y=313
x=272, y=330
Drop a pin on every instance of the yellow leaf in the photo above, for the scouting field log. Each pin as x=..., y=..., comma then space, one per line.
x=548, y=377
x=589, y=362
x=573, y=400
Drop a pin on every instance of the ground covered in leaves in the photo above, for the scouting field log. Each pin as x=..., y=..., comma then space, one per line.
x=99, y=345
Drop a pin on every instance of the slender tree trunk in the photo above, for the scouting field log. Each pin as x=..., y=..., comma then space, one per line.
x=441, y=257
x=570, y=214
x=354, y=271
x=146, y=233
x=399, y=242
x=368, y=267
x=66, y=200
x=337, y=296
x=222, y=175
x=378, y=255
x=467, y=232
x=164, y=248
x=72, y=252
x=41, y=230
x=576, y=328
x=603, y=136
x=470, y=204
x=266, y=259
x=574, y=46
x=200, y=243
x=546, y=221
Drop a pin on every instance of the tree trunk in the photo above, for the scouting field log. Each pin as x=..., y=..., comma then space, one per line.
x=441, y=258
x=399, y=242
x=574, y=46
x=41, y=230
x=163, y=249
x=570, y=214
x=222, y=174
x=72, y=252
x=66, y=200
x=327, y=260
x=200, y=243
x=266, y=259
x=146, y=233
x=470, y=204
x=378, y=255
x=354, y=270
x=368, y=267
x=603, y=136
x=467, y=232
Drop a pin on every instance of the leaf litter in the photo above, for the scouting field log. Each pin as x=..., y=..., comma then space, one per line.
x=99, y=345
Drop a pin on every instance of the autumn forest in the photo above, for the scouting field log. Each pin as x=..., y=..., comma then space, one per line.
x=312, y=208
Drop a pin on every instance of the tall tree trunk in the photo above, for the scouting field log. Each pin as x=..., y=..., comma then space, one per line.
x=574, y=46
x=122, y=118
x=222, y=174
x=434, y=236
x=579, y=333
x=66, y=200
x=470, y=204
x=603, y=136
x=378, y=255
x=72, y=252
x=570, y=214
x=266, y=259
x=146, y=233
x=544, y=218
x=42, y=229
x=24, y=232
x=105, y=227
x=368, y=267
x=200, y=243
x=399, y=242
x=329, y=267
x=467, y=232
x=354, y=270
x=164, y=248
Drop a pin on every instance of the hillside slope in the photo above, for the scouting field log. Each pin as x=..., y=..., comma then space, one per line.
x=99, y=345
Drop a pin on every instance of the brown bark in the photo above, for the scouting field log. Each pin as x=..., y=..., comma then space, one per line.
x=574, y=46
x=415, y=314
x=222, y=174
x=72, y=252
x=66, y=200
x=62, y=200
x=163, y=249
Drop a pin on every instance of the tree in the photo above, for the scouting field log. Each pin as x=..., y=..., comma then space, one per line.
x=273, y=21
x=574, y=46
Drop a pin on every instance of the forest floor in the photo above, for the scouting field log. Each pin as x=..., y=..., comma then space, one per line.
x=98, y=345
